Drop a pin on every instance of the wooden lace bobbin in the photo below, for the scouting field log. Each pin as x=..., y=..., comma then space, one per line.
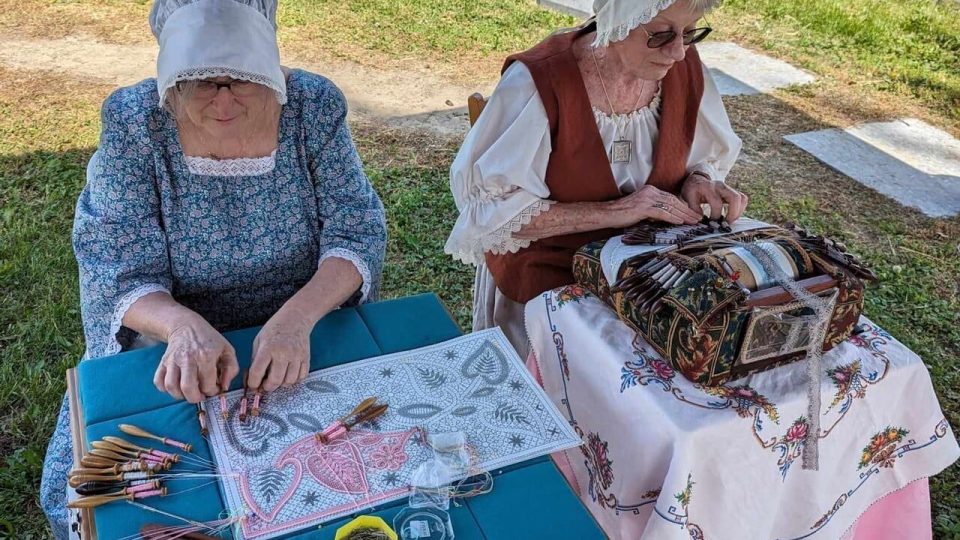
x=224, y=413
x=130, y=429
x=242, y=414
x=146, y=454
x=366, y=416
x=164, y=532
x=202, y=418
x=107, y=488
x=76, y=479
x=117, y=441
x=121, y=458
x=255, y=410
x=99, y=500
x=338, y=426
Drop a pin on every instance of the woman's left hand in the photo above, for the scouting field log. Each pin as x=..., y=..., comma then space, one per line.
x=698, y=189
x=281, y=351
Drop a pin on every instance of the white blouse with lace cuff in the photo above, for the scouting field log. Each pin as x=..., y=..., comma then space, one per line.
x=498, y=178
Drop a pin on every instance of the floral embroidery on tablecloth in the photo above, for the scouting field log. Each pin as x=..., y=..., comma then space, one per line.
x=599, y=465
x=881, y=448
x=745, y=400
x=571, y=293
x=849, y=382
x=682, y=517
x=790, y=446
x=880, y=453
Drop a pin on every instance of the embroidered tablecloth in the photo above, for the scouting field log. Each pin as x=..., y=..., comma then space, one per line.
x=667, y=459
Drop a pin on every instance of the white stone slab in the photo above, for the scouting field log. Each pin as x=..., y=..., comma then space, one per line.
x=908, y=160
x=577, y=8
x=740, y=71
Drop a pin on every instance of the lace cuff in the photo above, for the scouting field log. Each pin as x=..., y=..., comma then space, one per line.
x=358, y=262
x=501, y=240
x=123, y=306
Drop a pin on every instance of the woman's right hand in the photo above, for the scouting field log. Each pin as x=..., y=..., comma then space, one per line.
x=196, y=354
x=651, y=203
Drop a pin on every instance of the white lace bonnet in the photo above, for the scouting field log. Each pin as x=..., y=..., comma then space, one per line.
x=201, y=39
x=617, y=18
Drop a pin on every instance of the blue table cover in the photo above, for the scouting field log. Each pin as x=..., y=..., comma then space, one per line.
x=530, y=500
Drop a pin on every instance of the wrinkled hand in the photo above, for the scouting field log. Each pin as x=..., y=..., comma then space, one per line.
x=195, y=354
x=698, y=190
x=649, y=202
x=281, y=351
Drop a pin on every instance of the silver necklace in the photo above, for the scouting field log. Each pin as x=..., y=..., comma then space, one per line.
x=622, y=149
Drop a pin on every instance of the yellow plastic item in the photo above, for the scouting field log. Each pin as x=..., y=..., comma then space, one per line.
x=365, y=522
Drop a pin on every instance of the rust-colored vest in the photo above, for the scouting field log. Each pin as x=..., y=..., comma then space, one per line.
x=579, y=168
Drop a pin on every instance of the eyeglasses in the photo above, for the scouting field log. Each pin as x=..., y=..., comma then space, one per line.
x=661, y=39
x=209, y=89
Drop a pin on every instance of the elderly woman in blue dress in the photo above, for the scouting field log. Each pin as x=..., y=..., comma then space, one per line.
x=225, y=193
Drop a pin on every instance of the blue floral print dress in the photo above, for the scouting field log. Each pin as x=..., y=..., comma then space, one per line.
x=231, y=244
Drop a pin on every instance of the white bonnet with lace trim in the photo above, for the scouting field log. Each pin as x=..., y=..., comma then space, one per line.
x=616, y=18
x=202, y=39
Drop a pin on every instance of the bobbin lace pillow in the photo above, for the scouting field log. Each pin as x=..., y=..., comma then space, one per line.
x=123, y=306
x=501, y=240
x=357, y=261
x=231, y=167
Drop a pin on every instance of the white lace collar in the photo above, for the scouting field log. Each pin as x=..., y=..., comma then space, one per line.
x=231, y=167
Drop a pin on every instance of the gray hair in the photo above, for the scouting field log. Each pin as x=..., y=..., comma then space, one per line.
x=703, y=5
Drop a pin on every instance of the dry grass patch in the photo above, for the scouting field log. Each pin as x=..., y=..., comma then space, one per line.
x=122, y=22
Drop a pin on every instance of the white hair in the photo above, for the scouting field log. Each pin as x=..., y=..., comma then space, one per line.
x=703, y=5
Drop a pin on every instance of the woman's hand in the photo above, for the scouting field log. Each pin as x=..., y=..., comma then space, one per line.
x=698, y=189
x=281, y=351
x=195, y=354
x=649, y=202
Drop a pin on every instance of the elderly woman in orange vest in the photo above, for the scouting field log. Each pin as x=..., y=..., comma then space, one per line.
x=592, y=130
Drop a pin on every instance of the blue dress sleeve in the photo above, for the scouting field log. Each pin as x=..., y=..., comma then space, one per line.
x=353, y=226
x=118, y=237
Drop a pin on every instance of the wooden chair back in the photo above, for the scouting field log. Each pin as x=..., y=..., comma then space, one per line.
x=475, y=105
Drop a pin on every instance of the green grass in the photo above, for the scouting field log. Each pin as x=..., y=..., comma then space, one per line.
x=898, y=47
x=440, y=29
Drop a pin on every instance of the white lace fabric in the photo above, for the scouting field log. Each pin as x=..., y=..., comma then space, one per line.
x=617, y=18
x=501, y=240
x=357, y=261
x=231, y=167
x=121, y=310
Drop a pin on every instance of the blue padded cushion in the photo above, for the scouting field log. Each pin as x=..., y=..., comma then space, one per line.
x=530, y=500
